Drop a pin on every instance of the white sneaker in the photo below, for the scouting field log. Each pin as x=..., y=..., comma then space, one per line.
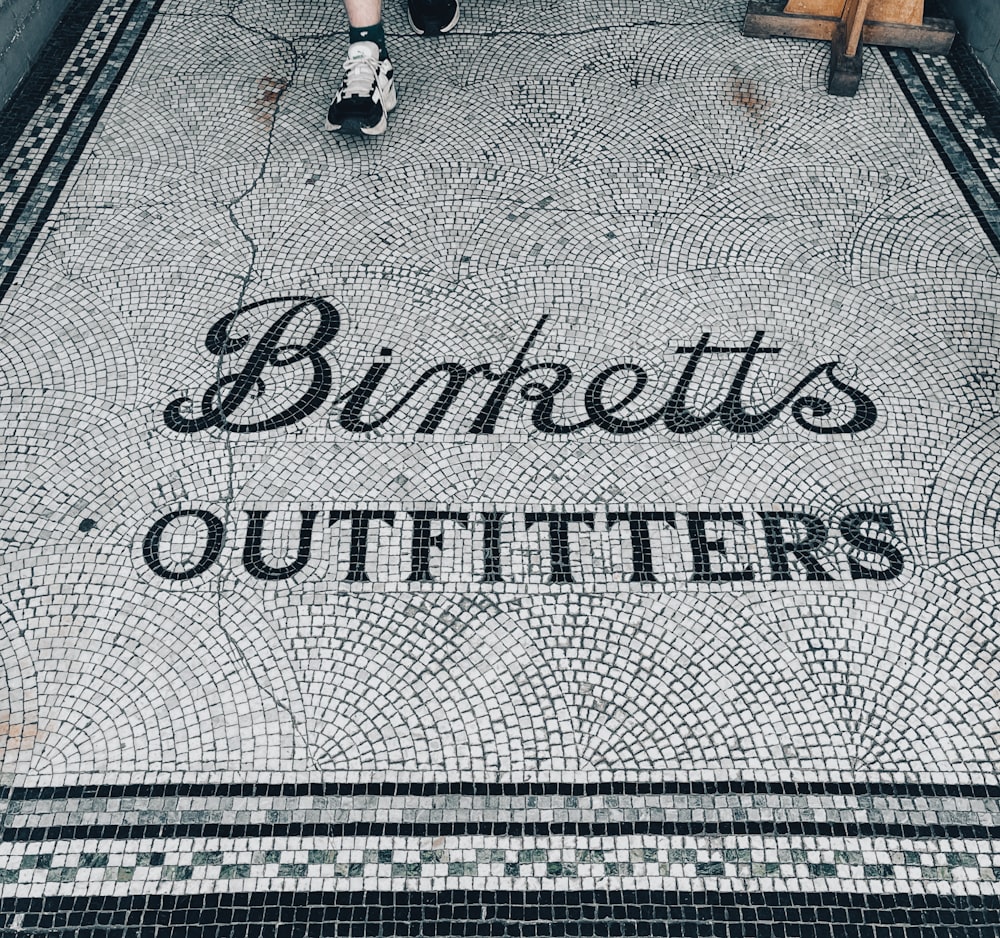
x=366, y=94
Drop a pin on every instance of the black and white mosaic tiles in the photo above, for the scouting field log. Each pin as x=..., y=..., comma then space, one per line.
x=575, y=512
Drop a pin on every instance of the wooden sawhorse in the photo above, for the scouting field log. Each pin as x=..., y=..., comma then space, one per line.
x=847, y=25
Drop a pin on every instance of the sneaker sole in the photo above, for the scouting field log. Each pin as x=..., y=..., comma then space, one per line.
x=447, y=28
x=354, y=128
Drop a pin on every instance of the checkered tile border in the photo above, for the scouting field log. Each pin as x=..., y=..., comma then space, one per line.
x=768, y=841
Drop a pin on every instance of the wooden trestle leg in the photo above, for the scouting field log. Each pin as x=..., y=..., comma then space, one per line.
x=848, y=25
x=846, y=50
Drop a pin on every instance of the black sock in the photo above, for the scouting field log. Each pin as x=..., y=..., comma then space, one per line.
x=374, y=34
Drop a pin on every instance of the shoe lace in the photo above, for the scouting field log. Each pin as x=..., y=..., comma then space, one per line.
x=359, y=75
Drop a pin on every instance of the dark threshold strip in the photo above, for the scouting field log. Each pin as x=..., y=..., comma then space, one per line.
x=37, y=834
x=976, y=82
x=67, y=170
x=703, y=925
x=817, y=915
x=509, y=789
x=932, y=93
x=942, y=152
x=37, y=84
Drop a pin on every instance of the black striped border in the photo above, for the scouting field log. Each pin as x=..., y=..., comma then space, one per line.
x=516, y=789
x=525, y=914
x=492, y=829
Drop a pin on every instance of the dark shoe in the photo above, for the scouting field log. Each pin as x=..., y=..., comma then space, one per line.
x=432, y=17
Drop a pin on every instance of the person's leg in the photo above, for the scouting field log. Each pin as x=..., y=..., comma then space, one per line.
x=363, y=12
x=365, y=19
x=367, y=93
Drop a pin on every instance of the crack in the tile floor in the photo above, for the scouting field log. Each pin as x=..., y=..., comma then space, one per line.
x=341, y=33
x=300, y=728
x=568, y=33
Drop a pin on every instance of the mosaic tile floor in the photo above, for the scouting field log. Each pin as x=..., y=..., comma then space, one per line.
x=574, y=513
